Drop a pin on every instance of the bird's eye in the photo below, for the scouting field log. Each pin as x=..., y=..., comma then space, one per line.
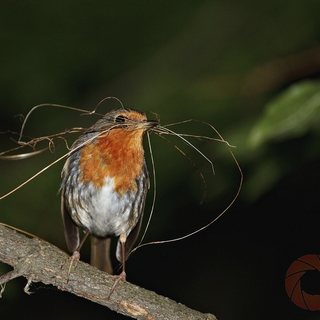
x=120, y=119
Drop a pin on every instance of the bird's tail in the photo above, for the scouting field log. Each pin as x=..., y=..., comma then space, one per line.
x=100, y=254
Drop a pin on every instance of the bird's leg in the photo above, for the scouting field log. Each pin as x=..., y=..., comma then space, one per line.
x=76, y=254
x=122, y=275
x=123, y=239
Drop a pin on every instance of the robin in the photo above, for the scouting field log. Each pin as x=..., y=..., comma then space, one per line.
x=104, y=186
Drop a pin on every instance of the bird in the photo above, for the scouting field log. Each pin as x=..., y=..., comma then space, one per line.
x=104, y=186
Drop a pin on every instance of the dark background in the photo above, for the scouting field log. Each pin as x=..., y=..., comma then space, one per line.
x=224, y=62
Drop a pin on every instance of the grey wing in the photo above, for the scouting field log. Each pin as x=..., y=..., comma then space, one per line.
x=143, y=187
x=71, y=230
x=131, y=239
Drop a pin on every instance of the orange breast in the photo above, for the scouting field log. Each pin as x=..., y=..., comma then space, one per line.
x=116, y=154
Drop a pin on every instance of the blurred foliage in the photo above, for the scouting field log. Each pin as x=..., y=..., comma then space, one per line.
x=248, y=68
x=293, y=114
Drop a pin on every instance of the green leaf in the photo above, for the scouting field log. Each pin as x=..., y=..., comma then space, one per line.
x=290, y=115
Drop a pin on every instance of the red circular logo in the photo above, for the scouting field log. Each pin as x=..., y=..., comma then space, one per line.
x=297, y=269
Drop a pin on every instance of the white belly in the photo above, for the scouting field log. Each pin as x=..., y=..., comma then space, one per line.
x=105, y=212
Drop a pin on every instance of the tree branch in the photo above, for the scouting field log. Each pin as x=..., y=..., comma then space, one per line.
x=39, y=261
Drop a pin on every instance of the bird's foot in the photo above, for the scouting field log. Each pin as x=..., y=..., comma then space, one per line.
x=72, y=260
x=122, y=276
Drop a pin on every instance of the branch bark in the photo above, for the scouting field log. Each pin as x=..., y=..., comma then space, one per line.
x=39, y=261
